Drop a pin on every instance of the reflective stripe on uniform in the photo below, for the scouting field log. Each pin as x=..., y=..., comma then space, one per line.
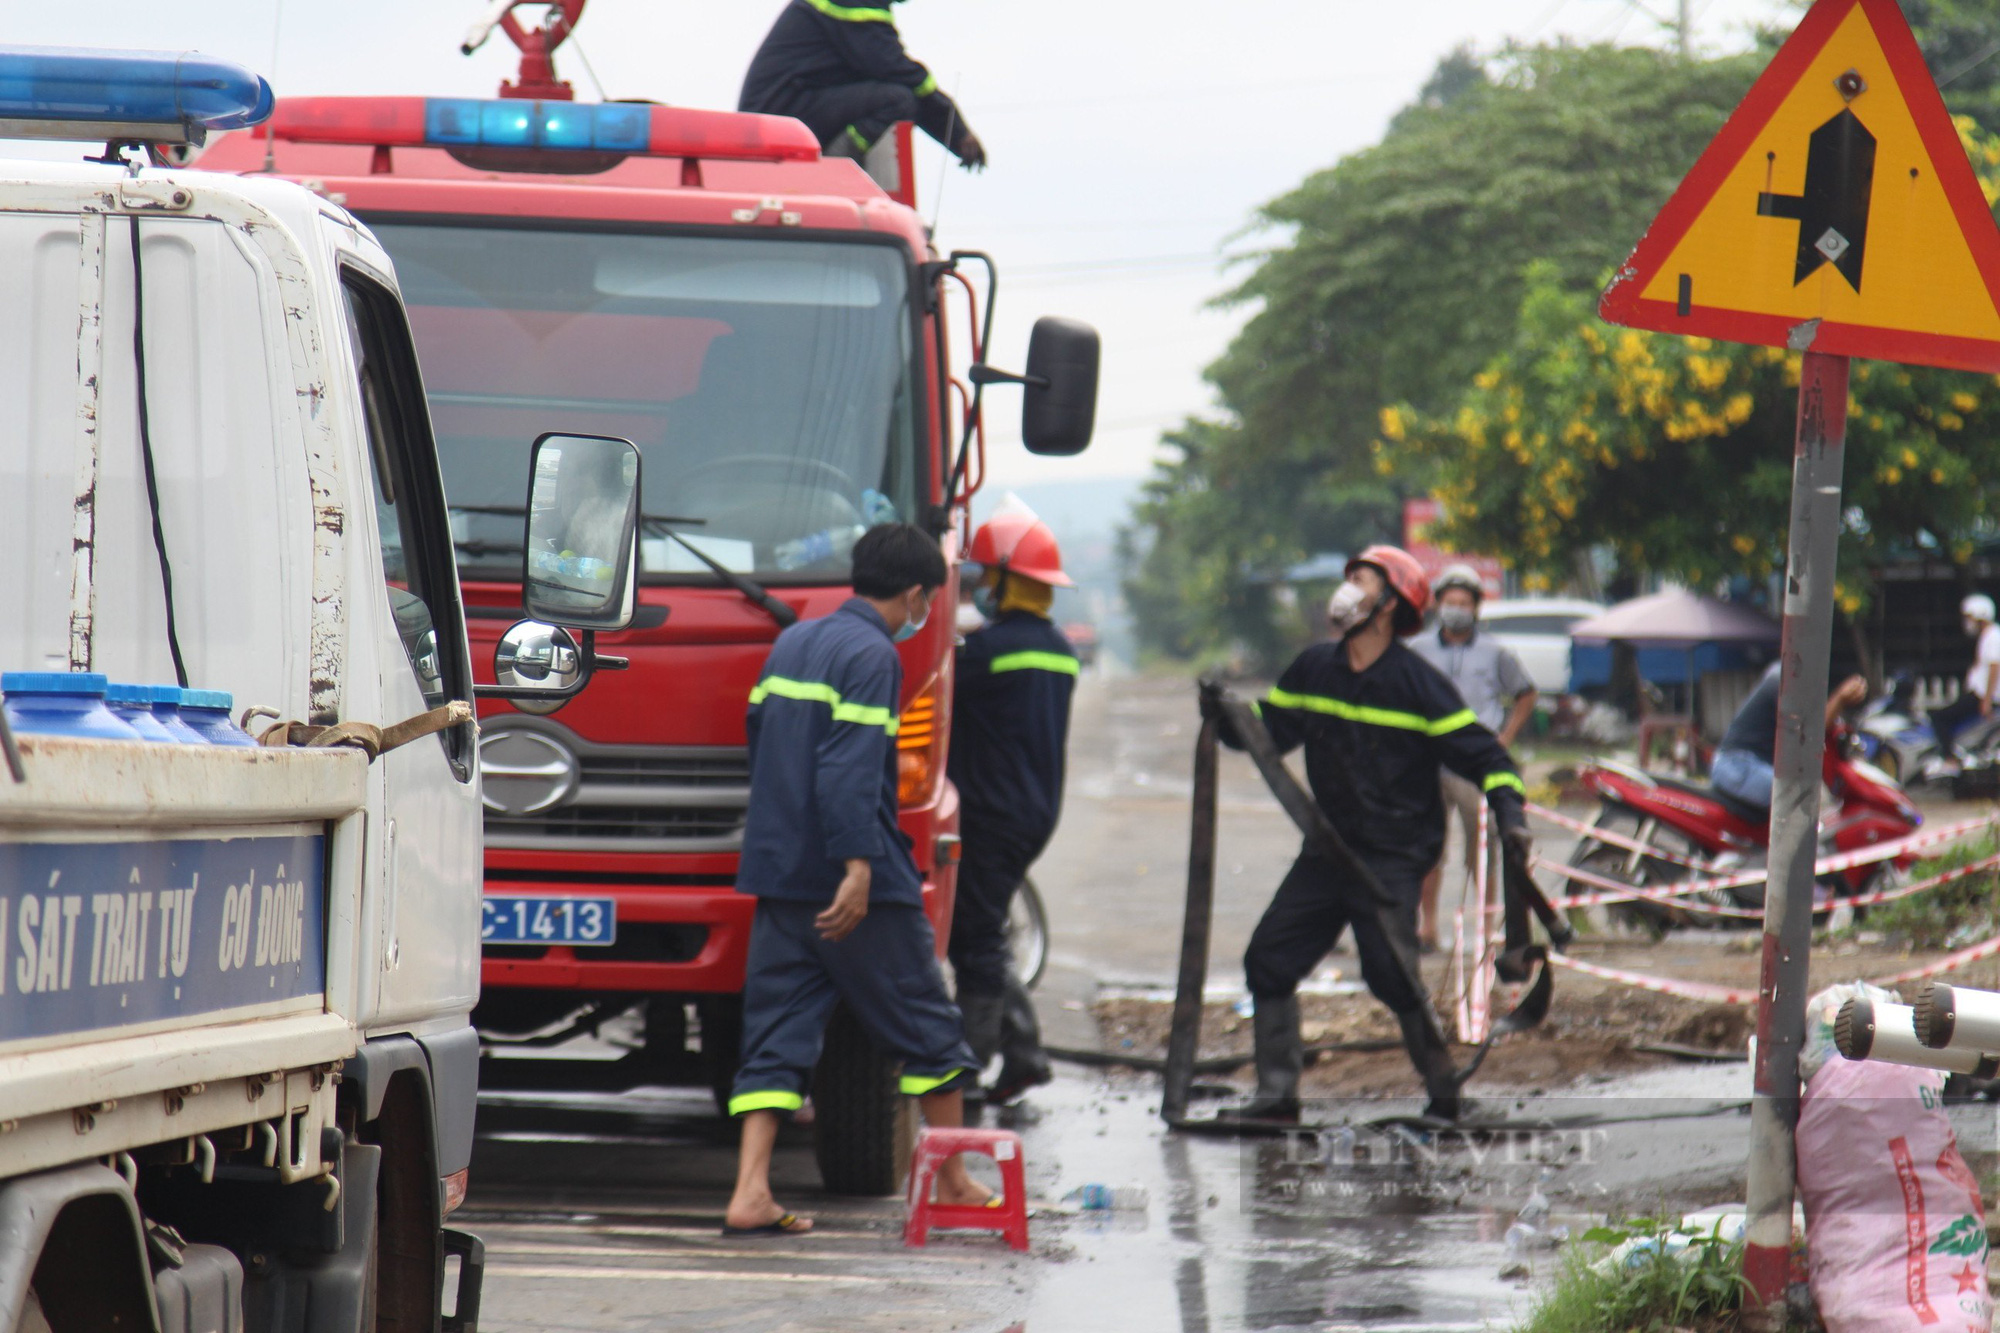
x=1374, y=717
x=850, y=14
x=765, y=1101
x=928, y=86
x=1060, y=663
x=812, y=692
x=918, y=1085
x=1494, y=781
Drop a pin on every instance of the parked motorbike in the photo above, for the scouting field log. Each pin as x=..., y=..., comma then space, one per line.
x=1893, y=735
x=1695, y=821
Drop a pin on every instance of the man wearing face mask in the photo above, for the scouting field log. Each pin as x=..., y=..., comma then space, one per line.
x=1010, y=726
x=1494, y=685
x=1377, y=722
x=840, y=914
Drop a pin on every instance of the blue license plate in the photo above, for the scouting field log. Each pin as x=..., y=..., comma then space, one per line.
x=511, y=920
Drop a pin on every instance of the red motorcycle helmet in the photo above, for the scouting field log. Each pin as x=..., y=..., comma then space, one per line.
x=1406, y=575
x=1017, y=542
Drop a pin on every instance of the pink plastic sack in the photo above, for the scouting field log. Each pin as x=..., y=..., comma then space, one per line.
x=1895, y=1233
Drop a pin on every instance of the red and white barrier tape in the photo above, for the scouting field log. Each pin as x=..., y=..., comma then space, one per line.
x=1826, y=865
x=1951, y=962
x=1690, y=990
x=1699, y=990
x=1616, y=839
x=1612, y=891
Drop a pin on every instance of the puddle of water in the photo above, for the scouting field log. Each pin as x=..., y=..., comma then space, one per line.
x=1258, y=1235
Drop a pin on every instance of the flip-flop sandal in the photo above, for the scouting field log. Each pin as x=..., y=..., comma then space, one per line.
x=786, y=1224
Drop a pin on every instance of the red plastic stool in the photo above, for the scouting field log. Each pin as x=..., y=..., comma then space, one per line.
x=934, y=1146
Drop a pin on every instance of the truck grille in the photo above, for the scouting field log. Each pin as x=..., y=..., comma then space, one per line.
x=547, y=788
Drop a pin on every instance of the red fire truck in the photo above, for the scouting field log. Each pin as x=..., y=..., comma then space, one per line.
x=775, y=332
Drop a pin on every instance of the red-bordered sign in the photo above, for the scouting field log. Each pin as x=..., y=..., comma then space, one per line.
x=1835, y=210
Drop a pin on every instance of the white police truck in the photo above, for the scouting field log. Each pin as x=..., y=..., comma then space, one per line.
x=236, y=1072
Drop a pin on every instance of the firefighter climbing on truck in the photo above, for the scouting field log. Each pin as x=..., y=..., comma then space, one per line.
x=843, y=71
x=1377, y=722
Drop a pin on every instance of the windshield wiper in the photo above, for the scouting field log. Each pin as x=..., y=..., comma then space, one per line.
x=777, y=610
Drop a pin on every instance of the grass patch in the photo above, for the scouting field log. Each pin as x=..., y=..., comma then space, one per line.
x=1949, y=915
x=1650, y=1290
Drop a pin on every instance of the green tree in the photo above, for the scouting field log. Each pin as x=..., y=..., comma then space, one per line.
x=1675, y=453
x=1402, y=271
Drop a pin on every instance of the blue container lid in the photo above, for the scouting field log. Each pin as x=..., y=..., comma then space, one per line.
x=131, y=696
x=221, y=699
x=86, y=683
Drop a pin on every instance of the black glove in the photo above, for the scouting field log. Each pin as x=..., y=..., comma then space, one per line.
x=970, y=152
x=1210, y=692
x=1520, y=843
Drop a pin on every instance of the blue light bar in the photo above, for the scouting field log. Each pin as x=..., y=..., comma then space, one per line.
x=49, y=92
x=605, y=127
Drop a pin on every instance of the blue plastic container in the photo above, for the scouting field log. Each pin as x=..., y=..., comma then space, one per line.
x=167, y=711
x=207, y=711
x=62, y=703
x=134, y=706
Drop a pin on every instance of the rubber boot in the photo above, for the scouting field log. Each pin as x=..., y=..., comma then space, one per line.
x=1023, y=1064
x=983, y=1013
x=1432, y=1059
x=1281, y=1059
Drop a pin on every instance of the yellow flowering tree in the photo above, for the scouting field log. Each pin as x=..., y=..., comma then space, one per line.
x=1675, y=453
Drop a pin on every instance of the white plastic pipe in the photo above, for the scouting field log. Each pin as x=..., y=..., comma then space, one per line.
x=1866, y=1030
x=1958, y=1017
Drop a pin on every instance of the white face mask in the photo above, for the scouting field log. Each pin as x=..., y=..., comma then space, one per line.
x=1345, y=611
x=1457, y=619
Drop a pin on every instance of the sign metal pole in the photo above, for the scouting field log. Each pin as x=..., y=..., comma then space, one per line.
x=1788, y=894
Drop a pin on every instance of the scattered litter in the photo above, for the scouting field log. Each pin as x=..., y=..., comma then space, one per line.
x=1094, y=1198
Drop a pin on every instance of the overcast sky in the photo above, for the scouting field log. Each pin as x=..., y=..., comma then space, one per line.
x=1130, y=142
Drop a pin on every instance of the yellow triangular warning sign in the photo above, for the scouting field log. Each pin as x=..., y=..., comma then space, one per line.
x=1835, y=210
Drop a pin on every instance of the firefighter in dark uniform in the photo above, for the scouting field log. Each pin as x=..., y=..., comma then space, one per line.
x=840, y=913
x=843, y=71
x=1010, y=725
x=1377, y=722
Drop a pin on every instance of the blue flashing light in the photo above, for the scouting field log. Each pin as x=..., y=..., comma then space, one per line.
x=514, y=123
x=162, y=96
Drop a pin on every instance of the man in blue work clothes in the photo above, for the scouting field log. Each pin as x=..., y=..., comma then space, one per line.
x=1500, y=693
x=1010, y=726
x=839, y=900
x=843, y=71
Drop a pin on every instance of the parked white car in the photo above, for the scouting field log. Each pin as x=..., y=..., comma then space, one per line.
x=1537, y=629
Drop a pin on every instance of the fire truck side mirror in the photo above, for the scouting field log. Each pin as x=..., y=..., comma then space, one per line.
x=581, y=560
x=1059, y=404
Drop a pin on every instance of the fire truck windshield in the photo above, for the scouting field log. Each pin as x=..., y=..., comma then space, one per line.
x=767, y=382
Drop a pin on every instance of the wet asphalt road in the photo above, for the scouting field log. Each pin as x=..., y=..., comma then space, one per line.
x=602, y=1213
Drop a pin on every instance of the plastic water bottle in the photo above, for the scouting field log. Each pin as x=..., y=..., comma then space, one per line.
x=62, y=703
x=1536, y=1210
x=817, y=548
x=1104, y=1199
x=167, y=710
x=207, y=711
x=134, y=706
